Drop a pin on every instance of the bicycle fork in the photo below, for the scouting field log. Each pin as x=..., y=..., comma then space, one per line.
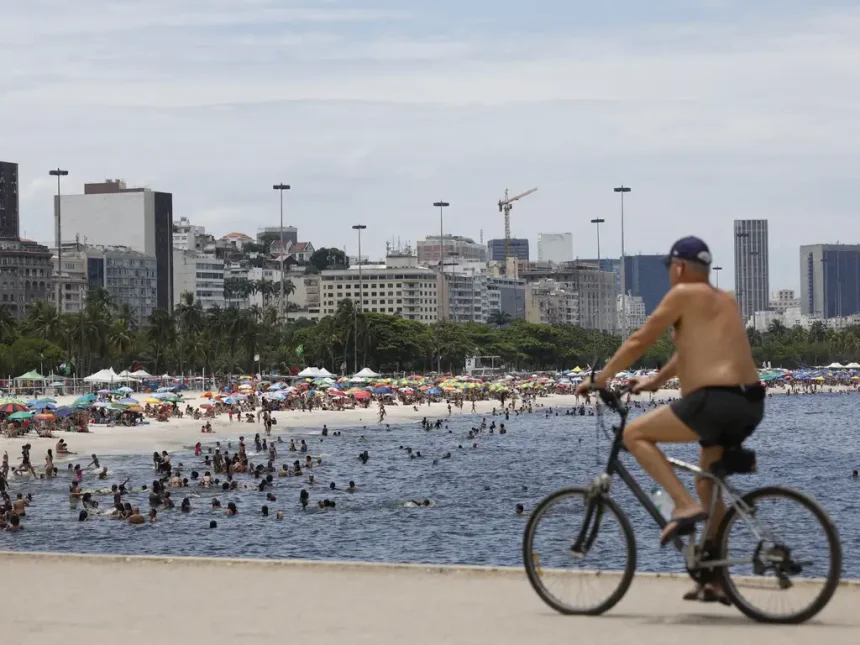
x=593, y=514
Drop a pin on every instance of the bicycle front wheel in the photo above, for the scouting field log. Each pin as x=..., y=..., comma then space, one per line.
x=593, y=580
x=785, y=555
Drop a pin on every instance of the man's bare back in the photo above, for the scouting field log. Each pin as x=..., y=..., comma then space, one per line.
x=711, y=340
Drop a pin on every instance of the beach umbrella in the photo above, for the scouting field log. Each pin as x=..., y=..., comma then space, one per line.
x=362, y=395
x=86, y=399
x=104, y=391
x=208, y=395
x=153, y=401
x=382, y=390
x=9, y=408
x=124, y=390
x=45, y=416
x=206, y=406
x=41, y=405
x=128, y=401
x=230, y=400
x=335, y=392
x=63, y=412
x=20, y=416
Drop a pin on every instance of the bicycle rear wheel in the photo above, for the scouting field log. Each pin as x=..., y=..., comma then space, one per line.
x=586, y=583
x=787, y=555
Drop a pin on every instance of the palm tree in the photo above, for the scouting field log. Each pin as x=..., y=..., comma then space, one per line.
x=499, y=318
x=160, y=334
x=7, y=325
x=289, y=289
x=43, y=321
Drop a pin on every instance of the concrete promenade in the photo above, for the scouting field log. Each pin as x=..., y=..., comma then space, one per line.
x=89, y=600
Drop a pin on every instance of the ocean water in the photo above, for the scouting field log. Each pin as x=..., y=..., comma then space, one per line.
x=808, y=442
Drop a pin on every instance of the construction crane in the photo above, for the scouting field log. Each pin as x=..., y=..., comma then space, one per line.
x=505, y=206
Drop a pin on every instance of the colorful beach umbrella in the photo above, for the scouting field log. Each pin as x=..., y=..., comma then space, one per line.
x=20, y=416
x=10, y=408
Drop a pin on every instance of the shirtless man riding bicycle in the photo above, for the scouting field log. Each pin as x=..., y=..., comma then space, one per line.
x=722, y=398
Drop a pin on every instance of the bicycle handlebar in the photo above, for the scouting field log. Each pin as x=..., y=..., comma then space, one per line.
x=612, y=398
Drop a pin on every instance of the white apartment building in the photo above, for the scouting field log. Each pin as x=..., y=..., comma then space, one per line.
x=463, y=293
x=635, y=312
x=72, y=277
x=410, y=292
x=186, y=236
x=198, y=274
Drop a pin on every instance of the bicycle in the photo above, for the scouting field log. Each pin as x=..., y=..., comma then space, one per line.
x=773, y=562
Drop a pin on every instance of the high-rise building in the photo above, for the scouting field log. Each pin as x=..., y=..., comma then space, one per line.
x=549, y=302
x=200, y=275
x=454, y=248
x=555, y=247
x=646, y=276
x=410, y=292
x=463, y=292
x=25, y=266
x=110, y=214
x=506, y=295
x=9, y=218
x=752, y=280
x=129, y=277
x=596, y=290
x=519, y=249
x=830, y=280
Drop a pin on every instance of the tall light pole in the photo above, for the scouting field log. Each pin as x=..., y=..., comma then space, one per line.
x=716, y=271
x=621, y=190
x=281, y=188
x=442, y=205
x=359, y=228
x=598, y=221
x=59, y=173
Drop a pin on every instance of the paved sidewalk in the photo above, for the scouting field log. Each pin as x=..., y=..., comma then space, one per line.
x=48, y=599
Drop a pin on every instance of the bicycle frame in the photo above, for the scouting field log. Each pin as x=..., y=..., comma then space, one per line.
x=602, y=484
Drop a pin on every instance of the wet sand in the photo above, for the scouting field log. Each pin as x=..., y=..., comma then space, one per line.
x=94, y=600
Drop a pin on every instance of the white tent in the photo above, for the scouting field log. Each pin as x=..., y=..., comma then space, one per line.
x=835, y=366
x=853, y=366
x=103, y=376
x=141, y=374
x=107, y=376
x=367, y=373
x=309, y=372
x=324, y=373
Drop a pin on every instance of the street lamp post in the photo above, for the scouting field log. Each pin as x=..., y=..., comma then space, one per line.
x=359, y=228
x=716, y=271
x=621, y=190
x=58, y=173
x=281, y=188
x=598, y=221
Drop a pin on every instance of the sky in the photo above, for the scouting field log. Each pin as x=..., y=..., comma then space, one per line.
x=711, y=110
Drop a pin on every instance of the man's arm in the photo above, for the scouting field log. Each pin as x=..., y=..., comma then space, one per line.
x=668, y=312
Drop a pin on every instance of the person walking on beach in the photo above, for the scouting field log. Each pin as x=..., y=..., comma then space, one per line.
x=49, y=464
x=25, y=466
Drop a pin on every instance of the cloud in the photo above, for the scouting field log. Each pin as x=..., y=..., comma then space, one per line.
x=374, y=112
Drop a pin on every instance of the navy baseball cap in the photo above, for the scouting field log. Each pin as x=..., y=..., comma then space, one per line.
x=691, y=249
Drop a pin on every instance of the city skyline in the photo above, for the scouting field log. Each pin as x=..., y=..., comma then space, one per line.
x=376, y=112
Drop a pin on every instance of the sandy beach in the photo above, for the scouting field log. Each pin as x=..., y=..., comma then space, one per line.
x=186, y=432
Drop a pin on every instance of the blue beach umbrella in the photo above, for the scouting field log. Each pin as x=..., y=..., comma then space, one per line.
x=41, y=405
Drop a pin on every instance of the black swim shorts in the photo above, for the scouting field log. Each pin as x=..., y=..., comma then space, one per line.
x=722, y=415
